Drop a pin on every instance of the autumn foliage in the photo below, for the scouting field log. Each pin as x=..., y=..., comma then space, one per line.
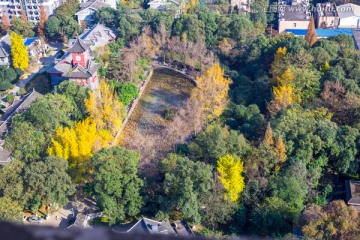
x=230, y=175
x=19, y=54
x=77, y=144
x=5, y=24
x=105, y=109
x=283, y=92
x=311, y=36
x=212, y=92
x=42, y=21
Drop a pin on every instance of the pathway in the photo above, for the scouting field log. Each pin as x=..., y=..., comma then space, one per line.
x=45, y=63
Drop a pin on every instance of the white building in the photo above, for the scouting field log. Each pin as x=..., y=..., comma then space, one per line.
x=349, y=15
x=112, y=3
x=12, y=8
x=162, y=4
x=88, y=9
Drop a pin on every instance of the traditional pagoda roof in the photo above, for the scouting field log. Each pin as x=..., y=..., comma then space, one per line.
x=79, y=46
x=79, y=71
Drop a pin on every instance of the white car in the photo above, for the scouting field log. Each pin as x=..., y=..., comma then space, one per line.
x=35, y=219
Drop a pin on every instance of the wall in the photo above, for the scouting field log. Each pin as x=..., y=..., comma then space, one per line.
x=350, y=22
x=325, y=22
x=283, y=25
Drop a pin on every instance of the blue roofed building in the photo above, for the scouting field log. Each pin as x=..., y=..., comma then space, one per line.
x=322, y=33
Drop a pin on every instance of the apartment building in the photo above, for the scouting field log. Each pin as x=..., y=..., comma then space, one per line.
x=326, y=15
x=12, y=8
x=294, y=16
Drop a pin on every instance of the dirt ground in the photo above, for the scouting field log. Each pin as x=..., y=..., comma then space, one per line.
x=166, y=90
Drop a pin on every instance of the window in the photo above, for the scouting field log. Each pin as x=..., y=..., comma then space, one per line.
x=294, y=24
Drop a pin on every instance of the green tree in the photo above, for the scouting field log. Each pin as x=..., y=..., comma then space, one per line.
x=22, y=28
x=52, y=27
x=49, y=112
x=273, y=216
x=292, y=187
x=10, y=98
x=48, y=182
x=186, y=186
x=116, y=183
x=127, y=92
x=11, y=181
x=10, y=210
x=215, y=142
x=76, y=94
x=106, y=16
x=25, y=142
x=241, y=28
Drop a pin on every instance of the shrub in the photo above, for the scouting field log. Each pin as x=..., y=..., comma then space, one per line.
x=10, y=98
x=127, y=91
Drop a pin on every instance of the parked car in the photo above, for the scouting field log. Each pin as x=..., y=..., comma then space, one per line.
x=35, y=219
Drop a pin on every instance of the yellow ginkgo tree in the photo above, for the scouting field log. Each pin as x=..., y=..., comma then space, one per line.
x=77, y=144
x=105, y=109
x=230, y=175
x=212, y=92
x=19, y=54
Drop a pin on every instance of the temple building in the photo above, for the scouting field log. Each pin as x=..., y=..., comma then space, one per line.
x=76, y=66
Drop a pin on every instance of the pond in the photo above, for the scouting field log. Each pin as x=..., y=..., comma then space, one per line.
x=167, y=90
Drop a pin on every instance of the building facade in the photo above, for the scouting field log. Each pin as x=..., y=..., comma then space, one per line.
x=87, y=11
x=349, y=15
x=326, y=16
x=76, y=66
x=292, y=18
x=12, y=8
x=112, y=3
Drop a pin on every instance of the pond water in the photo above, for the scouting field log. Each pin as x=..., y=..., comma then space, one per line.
x=166, y=90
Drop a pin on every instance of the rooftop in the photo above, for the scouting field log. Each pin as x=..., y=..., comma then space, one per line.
x=99, y=35
x=79, y=46
x=322, y=33
x=29, y=41
x=348, y=10
x=352, y=192
x=150, y=226
x=294, y=13
x=95, y=4
x=326, y=9
x=17, y=107
x=80, y=72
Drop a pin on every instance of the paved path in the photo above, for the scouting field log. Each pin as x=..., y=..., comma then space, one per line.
x=44, y=64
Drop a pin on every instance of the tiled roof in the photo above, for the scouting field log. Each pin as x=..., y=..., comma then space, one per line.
x=98, y=36
x=348, y=10
x=149, y=226
x=5, y=44
x=3, y=54
x=79, y=46
x=352, y=192
x=92, y=4
x=80, y=72
x=17, y=107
